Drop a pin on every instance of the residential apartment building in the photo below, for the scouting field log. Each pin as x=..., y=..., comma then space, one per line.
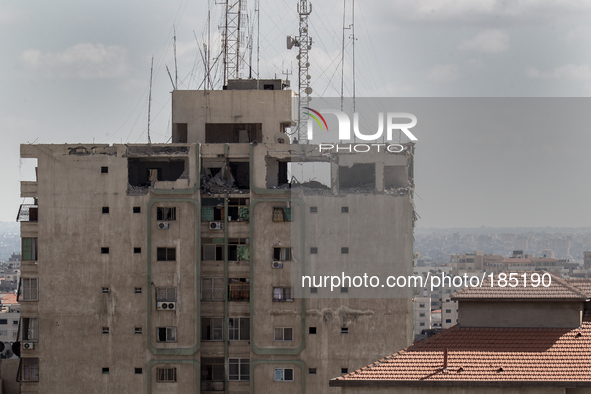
x=169, y=268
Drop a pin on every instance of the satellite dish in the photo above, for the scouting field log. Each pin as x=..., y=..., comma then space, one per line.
x=281, y=138
x=290, y=42
x=417, y=254
x=308, y=90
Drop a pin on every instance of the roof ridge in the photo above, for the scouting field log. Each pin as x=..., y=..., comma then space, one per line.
x=565, y=283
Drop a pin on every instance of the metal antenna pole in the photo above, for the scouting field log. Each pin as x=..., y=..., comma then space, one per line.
x=304, y=42
x=232, y=38
x=150, y=101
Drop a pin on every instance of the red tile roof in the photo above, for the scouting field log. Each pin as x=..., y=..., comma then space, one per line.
x=559, y=289
x=8, y=298
x=486, y=357
x=581, y=284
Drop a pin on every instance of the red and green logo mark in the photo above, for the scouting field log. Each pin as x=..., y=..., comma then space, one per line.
x=316, y=119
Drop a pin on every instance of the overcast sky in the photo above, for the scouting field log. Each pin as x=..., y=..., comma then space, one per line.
x=75, y=71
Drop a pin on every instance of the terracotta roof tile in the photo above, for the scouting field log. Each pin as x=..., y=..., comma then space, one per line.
x=490, y=354
x=558, y=289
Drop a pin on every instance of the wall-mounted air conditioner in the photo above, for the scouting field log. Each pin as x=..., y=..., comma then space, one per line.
x=162, y=225
x=28, y=345
x=166, y=306
x=215, y=225
x=277, y=264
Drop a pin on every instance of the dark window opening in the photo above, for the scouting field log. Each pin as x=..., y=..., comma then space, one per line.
x=212, y=252
x=238, y=249
x=344, y=289
x=344, y=370
x=104, y=170
x=212, y=374
x=282, y=173
x=167, y=214
x=359, y=176
x=105, y=209
x=166, y=334
x=314, y=250
x=137, y=209
x=137, y=250
x=344, y=330
x=104, y=250
x=312, y=371
x=344, y=209
x=144, y=172
x=313, y=209
x=105, y=289
x=105, y=370
x=311, y=330
x=138, y=371
x=179, y=133
x=212, y=328
x=165, y=254
x=233, y=133
x=344, y=250
x=137, y=290
x=281, y=254
x=313, y=290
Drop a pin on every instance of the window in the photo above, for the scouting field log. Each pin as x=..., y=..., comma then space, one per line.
x=422, y=324
x=344, y=250
x=165, y=375
x=311, y=330
x=448, y=311
x=344, y=330
x=283, y=374
x=29, y=249
x=448, y=320
x=15, y=322
x=239, y=369
x=165, y=294
x=212, y=328
x=137, y=330
x=166, y=334
x=239, y=329
x=344, y=289
x=313, y=290
x=238, y=209
x=137, y=250
x=137, y=210
x=238, y=289
x=3, y=321
x=282, y=214
x=104, y=170
x=281, y=294
x=344, y=370
x=283, y=334
x=105, y=290
x=238, y=249
x=30, y=329
x=421, y=305
x=212, y=252
x=105, y=330
x=212, y=373
x=421, y=315
x=30, y=289
x=166, y=214
x=212, y=289
x=105, y=209
x=312, y=371
x=344, y=209
x=138, y=371
x=314, y=250
x=165, y=254
x=281, y=254
x=313, y=209
x=104, y=250
x=106, y=371
x=137, y=290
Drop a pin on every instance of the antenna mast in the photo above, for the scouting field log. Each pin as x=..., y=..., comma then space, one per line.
x=232, y=37
x=304, y=42
x=150, y=101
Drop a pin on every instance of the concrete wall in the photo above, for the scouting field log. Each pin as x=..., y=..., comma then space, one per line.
x=8, y=373
x=519, y=314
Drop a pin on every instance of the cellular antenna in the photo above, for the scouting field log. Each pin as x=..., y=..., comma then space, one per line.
x=232, y=38
x=304, y=43
x=150, y=101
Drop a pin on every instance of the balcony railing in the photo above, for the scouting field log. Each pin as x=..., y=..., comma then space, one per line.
x=239, y=292
x=28, y=213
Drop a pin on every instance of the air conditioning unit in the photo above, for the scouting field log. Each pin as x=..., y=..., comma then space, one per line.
x=277, y=264
x=162, y=225
x=215, y=225
x=166, y=306
x=28, y=345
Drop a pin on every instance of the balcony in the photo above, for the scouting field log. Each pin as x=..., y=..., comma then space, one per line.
x=239, y=290
x=28, y=213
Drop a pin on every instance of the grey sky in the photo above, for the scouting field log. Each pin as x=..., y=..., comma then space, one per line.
x=79, y=71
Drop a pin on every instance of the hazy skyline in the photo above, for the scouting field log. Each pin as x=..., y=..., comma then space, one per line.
x=83, y=76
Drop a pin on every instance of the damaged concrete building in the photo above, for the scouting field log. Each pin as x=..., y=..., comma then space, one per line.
x=168, y=268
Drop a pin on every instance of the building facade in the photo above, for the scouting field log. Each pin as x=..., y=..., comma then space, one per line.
x=168, y=268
